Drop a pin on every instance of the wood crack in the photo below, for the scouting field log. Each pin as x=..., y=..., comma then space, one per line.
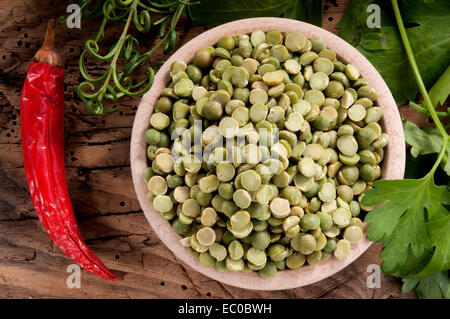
x=230, y=295
x=337, y=284
x=127, y=213
x=194, y=285
x=106, y=238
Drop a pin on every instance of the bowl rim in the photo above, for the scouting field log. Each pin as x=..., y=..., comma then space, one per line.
x=393, y=164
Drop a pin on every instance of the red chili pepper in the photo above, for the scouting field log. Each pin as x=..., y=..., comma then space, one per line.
x=42, y=121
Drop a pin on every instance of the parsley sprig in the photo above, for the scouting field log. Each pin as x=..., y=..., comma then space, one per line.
x=412, y=219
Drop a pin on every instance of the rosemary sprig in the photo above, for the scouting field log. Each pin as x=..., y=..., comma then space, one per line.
x=116, y=82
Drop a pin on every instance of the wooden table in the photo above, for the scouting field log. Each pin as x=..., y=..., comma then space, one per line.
x=99, y=179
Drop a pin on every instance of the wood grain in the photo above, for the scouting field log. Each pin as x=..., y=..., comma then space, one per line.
x=99, y=180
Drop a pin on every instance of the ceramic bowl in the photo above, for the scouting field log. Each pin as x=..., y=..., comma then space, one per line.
x=392, y=167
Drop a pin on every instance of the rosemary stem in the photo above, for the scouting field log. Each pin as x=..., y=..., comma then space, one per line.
x=164, y=39
x=101, y=31
x=124, y=33
x=113, y=64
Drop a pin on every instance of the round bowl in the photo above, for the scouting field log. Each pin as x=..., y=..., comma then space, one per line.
x=392, y=168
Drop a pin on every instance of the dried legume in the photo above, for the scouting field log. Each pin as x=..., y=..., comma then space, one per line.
x=260, y=150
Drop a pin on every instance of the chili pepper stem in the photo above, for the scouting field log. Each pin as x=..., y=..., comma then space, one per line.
x=49, y=39
x=47, y=53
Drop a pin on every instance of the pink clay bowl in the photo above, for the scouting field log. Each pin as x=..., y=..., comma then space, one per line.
x=392, y=168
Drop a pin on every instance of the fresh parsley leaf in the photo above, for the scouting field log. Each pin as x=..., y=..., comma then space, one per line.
x=439, y=231
x=441, y=89
x=400, y=221
x=305, y=10
x=410, y=216
x=215, y=12
x=435, y=286
x=426, y=141
x=428, y=32
x=353, y=24
x=409, y=284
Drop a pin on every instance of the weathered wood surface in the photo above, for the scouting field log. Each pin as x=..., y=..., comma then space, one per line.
x=99, y=179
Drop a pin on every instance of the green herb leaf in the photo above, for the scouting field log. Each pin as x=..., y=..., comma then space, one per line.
x=411, y=216
x=215, y=12
x=409, y=284
x=426, y=141
x=305, y=10
x=399, y=222
x=441, y=89
x=428, y=33
x=353, y=24
x=440, y=240
x=436, y=286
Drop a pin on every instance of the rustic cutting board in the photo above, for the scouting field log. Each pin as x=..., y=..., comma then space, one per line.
x=99, y=180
